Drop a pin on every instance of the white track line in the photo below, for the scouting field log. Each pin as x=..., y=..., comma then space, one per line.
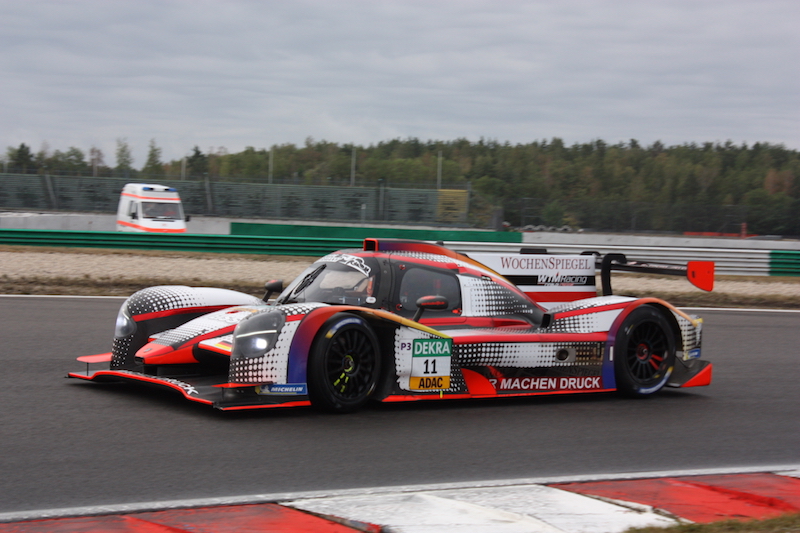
x=279, y=497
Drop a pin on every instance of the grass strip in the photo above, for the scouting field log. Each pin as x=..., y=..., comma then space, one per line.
x=788, y=523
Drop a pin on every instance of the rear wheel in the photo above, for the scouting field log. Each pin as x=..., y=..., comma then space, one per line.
x=344, y=364
x=644, y=352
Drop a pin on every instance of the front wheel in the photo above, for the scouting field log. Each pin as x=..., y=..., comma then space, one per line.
x=344, y=364
x=644, y=352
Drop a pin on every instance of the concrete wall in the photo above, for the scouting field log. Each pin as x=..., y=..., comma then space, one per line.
x=99, y=222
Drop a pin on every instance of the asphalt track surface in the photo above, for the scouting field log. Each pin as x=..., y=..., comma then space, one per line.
x=67, y=443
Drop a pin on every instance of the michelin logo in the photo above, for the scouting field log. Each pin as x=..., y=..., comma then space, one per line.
x=283, y=389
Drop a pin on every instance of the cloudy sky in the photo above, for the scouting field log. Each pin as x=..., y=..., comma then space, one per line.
x=232, y=74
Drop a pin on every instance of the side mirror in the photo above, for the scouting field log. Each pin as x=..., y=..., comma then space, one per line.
x=430, y=302
x=188, y=218
x=272, y=286
x=134, y=216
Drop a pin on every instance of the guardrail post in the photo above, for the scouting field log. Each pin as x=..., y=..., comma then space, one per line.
x=209, y=198
x=48, y=184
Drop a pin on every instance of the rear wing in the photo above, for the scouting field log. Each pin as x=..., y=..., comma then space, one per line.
x=554, y=279
x=699, y=273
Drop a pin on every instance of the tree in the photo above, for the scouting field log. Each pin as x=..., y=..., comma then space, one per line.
x=21, y=158
x=96, y=159
x=153, y=166
x=124, y=158
x=197, y=163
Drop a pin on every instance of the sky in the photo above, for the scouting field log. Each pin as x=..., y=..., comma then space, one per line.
x=232, y=74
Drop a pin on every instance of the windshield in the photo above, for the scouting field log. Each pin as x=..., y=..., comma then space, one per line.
x=170, y=210
x=336, y=279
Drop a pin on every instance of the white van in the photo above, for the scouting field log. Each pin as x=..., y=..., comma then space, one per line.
x=150, y=208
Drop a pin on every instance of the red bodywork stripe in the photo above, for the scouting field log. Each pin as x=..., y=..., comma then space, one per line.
x=180, y=311
x=591, y=310
x=531, y=338
x=99, y=358
x=168, y=355
x=140, y=377
x=702, y=378
x=477, y=384
x=299, y=403
x=461, y=396
x=560, y=296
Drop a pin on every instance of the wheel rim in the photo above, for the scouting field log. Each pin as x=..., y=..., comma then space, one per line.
x=350, y=365
x=647, y=352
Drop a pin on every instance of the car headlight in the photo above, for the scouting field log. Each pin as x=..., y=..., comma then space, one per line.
x=125, y=325
x=255, y=336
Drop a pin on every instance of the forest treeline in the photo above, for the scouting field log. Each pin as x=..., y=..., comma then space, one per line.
x=590, y=184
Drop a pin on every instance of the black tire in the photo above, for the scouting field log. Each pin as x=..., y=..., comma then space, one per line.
x=644, y=352
x=344, y=364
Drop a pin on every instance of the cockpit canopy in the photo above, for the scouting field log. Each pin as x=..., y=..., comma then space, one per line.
x=341, y=279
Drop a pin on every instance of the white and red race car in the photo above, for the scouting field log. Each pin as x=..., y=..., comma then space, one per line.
x=406, y=321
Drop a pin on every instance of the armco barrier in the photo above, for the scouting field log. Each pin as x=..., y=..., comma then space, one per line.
x=231, y=244
x=784, y=263
x=731, y=261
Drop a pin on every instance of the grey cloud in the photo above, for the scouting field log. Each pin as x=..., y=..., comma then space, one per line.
x=238, y=73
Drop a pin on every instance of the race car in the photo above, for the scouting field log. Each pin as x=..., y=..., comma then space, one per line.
x=410, y=320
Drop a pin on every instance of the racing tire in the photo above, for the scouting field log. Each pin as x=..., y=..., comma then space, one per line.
x=344, y=364
x=644, y=352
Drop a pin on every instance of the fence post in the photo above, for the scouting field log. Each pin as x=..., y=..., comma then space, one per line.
x=48, y=183
x=209, y=198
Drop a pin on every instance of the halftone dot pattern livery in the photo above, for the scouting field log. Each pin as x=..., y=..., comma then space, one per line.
x=691, y=335
x=272, y=366
x=527, y=355
x=483, y=297
x=171, y=297
x=164, y=301
x=301, y=309
x=591, y=303
x=119, y=348
x=205, y=324
x=439, y=260
x=570, y=319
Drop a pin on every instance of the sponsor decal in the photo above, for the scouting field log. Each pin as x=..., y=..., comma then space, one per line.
x=561, y=280
x=430, y=383
x=694, y=353
x=356, y=263
x=517, y=262
x=547, y=383
x=432, y=347
x=188, y=389
x=284, y=389
x=430, y=364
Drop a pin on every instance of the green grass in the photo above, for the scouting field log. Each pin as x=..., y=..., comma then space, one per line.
x=789, y=523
